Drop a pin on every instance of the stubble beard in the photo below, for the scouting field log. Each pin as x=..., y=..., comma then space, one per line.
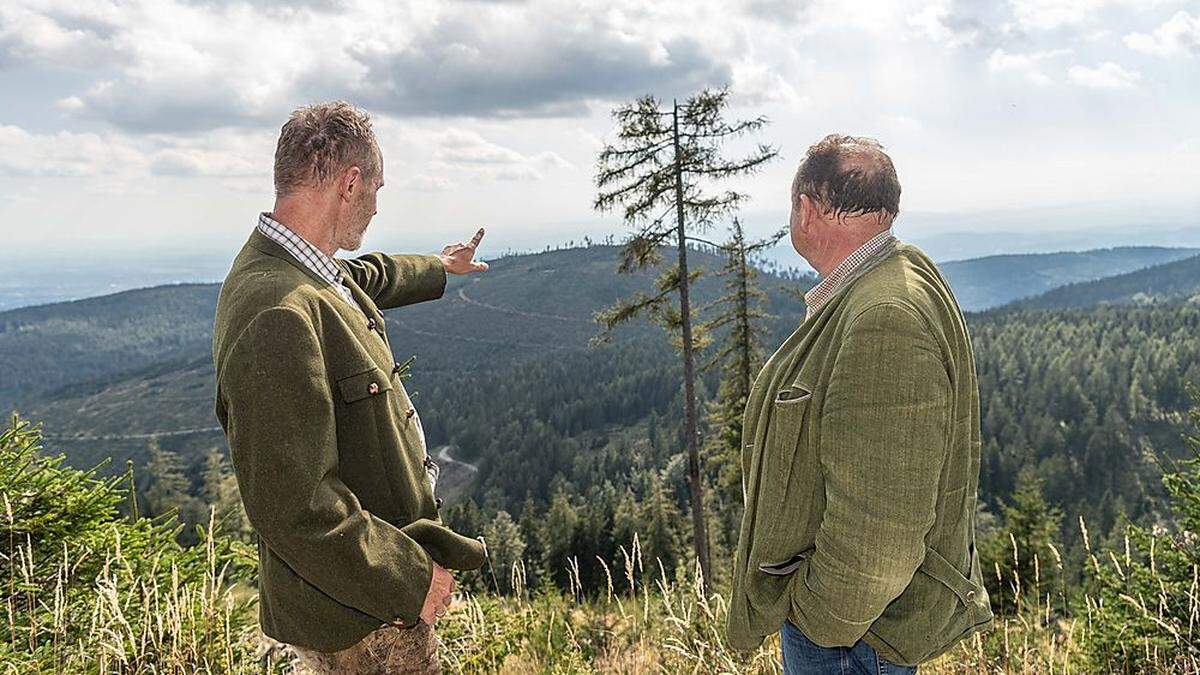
x=355, y=236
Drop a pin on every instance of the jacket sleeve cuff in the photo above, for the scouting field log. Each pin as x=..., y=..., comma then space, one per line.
x=813, y=617
x=412, y=597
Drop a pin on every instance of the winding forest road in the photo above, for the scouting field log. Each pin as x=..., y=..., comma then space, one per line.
x=444, y=455
x=462, y=295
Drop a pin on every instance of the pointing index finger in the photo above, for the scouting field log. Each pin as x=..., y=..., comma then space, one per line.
x=476, y=239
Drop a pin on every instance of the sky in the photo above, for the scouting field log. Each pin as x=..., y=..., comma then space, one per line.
x=144, y=127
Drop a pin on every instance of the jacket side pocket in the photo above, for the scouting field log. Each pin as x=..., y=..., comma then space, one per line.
x=786, y=567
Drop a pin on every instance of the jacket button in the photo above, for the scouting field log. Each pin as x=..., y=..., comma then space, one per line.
x=371, y=323
x=437, y=501
x=970, y=596
x=410, y=412
x=373, y=387
x=396, y=368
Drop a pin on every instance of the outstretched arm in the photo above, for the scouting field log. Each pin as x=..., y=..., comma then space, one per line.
x=398, y=280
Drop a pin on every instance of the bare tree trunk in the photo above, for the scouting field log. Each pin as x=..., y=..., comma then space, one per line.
x=690, y=432
x=744, y=312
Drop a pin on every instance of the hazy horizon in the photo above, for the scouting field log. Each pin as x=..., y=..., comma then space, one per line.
x=56, y=276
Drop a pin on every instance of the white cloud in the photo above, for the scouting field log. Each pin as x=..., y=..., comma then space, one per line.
x=125, y=156
x=56, y=33
x=1180, y=35
x=427, y=183
x=901, y=124
x=1028, y=64
x=754, y=83
x=461, y=150
x=1052, y=14
x=1049, y=14
x=957, y=23
x=64, y=153
x=1107, y=75
x=173, y=65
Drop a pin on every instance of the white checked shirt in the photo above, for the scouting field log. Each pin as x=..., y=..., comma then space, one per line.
x=831, y=283
x=310, y=256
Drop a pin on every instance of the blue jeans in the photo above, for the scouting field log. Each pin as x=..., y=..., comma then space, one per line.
x=802, y=656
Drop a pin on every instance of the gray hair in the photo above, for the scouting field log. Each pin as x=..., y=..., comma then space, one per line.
x=321, y=140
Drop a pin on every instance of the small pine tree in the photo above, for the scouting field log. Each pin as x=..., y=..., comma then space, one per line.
x=221, y=493
x=1023, y=548
x=168, y=492
x=556, y=538
x=658, y=532
x=166, y=486
x=1142, y=613
x=506, y=546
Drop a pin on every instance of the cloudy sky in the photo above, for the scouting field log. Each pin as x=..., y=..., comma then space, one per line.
x=144, y=125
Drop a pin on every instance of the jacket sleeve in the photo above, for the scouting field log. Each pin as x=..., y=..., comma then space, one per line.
x=280, y=425
x=397, y=280
x=883, y=437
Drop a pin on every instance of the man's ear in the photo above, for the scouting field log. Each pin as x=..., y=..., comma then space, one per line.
x=351, y=182
x=808, y=209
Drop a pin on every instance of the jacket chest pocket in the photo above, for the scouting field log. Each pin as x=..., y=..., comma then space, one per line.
x=374, y=381
x=787, y=418
x=363, y=410
x=784, y=430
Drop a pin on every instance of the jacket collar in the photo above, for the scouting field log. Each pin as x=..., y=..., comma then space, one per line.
x=269, y=246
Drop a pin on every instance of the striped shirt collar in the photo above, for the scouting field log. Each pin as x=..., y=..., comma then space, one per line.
x=310, y=256
x=831, y=283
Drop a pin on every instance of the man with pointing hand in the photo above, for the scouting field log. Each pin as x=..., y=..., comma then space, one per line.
x=326, y=444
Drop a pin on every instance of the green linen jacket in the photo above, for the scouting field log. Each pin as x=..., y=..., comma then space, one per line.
x=860, y=470
x=328, y=457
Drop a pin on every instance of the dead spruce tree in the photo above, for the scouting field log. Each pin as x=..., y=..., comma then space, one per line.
x=662, y=172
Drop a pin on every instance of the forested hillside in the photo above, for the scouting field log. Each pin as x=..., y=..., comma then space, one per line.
x=1170, y=282
x=46, y=347
x=1087, y=398
x=505, y=376
x=984, y=283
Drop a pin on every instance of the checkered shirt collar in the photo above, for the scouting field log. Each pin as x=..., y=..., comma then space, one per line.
x=312, y=257
x=831, y=283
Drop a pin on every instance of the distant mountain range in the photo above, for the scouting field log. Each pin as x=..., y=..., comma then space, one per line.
x=983, y=283
x=105, y=373
x=1171, y=282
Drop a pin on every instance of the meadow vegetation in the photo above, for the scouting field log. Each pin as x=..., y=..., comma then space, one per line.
x=93, y=587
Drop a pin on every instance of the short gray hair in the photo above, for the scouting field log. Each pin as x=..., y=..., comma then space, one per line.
x=321, y=140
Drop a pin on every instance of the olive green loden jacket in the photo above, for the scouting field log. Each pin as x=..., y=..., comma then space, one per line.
x=860, y=469
x=328, y=456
